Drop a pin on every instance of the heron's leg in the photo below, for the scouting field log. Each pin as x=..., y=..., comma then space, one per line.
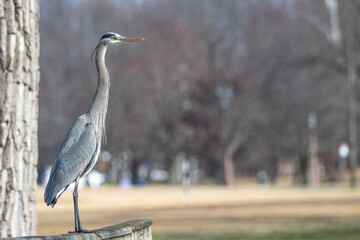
x=78, y=227
x=76, y=207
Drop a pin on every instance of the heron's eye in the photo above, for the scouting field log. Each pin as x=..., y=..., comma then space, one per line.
x=112, y=38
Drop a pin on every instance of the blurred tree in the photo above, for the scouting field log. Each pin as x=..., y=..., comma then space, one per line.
x=337, y=24
x=228, y=83
x=350, y=13
x=19, y=85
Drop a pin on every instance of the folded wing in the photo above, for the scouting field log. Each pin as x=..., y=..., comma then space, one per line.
x=75, y=155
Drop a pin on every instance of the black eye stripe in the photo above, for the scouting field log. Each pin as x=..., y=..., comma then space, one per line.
x=108, y=35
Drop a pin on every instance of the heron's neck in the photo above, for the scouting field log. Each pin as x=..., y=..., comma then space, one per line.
x=98, y=109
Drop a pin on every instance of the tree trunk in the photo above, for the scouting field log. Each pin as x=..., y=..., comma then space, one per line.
x=314, y=159
x=19, y=84
x=334, y=36
x=229, y=173
x=352, y=88
x=352, y=105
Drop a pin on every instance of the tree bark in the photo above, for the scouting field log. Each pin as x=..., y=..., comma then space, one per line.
x=19, y=85
x=352, y=95
x=314, y=159
x=229, y=173
x=352, y=105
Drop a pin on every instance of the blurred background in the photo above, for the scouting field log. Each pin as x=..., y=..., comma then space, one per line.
x=251, y=94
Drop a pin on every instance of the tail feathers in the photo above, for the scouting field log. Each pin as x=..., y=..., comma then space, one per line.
x=51, y=195
x=52, y=204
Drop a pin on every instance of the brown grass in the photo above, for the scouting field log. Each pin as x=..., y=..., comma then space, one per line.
x=211, y=207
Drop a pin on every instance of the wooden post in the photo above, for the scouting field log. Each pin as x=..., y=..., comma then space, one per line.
x=130, y=230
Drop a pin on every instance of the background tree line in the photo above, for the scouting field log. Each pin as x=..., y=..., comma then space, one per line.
x=229, y=83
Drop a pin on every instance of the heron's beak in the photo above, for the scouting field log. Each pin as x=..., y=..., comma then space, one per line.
x=128, y=39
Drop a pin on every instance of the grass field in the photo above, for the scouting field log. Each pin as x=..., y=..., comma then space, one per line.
x=214, y=212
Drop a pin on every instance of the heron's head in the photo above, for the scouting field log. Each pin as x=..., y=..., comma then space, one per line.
x=111, y=38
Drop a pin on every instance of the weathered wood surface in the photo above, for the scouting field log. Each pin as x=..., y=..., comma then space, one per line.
x=19, y=84
x=130, y=230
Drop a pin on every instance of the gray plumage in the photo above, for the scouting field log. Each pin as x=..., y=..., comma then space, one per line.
x=80, y=149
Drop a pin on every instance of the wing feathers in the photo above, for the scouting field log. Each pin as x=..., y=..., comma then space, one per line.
x=74, y=155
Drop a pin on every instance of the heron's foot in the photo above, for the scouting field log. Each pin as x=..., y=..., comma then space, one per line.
x=81, y=230
x=84, y=231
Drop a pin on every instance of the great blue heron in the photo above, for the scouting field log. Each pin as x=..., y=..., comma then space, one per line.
x=80, y=149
